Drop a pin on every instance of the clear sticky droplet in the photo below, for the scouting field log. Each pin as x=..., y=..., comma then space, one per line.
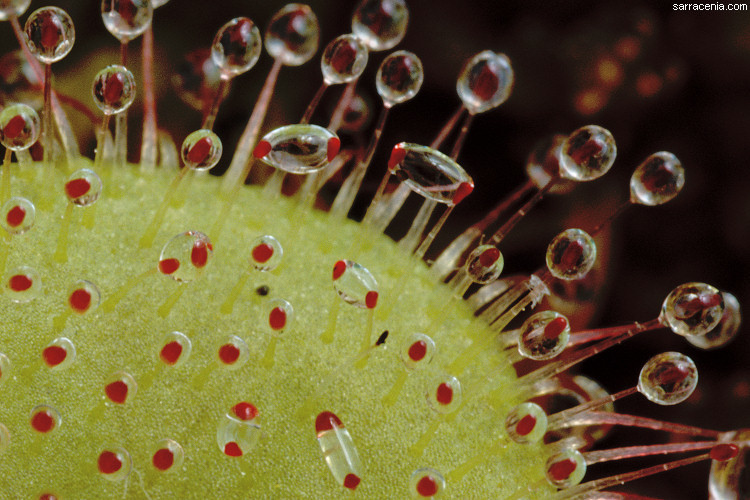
x=355, y=284
x=196, y=80
x=114, y=463
x=444, y=394
x=49, y=34
x=127, y=19
x=19, y=127
x=83, y=187
x=344, y=59
x=399, y=77
x=175, y=349
x=571, y=254
x=668, y=378
x=233, y=352
x=484, y=265
x=18, y=215
x=587, y=153
x=201, y=150
x=338, y=450
x=185, y=256
x=167, y=456
x=114, y=89
x=265, y=253
x=120, y=387
x=692, y=309
x=526, y=423
x=4, y=439
x=44, y=419
x=543, y=336
x=357, y=115
x=279, y=314
x=426, y=483
x=292, y=35
x=298, y=149
x=430, y=173
x=417, y=351
x=657, y=180
x=13, y=8
x=566, y=468
x=236, y=47
x=238, y=431
x=23, y=285
x=59, y=354
x=83, y=297
x=485, y=81
x=726, y=330
x=543, y=164
x=380, y=24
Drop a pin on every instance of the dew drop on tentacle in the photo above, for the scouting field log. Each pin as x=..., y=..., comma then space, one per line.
x=19, y=127
x=114, y=89
x=114, y=463
x=23, y=285
x=236, y=47
x=571, y=254
x=201, y=150
x=175, y=349
x=120, y=387
x=59, y=354
x=233, y=353
x=725, y=480
x=444, y=394
x=185, y=256
x=526, y=423
x=566, y=468
x=83, y=187
x=127, y=19
x=83, y=297
x=668, y=378
x=485, y=81
x=239, y=430
x=18, y=215
x=399, y=77
x=380, y=24
x=167, y=456
x=266, y=253
x=587, y=153
x=726, y=330
x=657, y=180
x=692, y=309
x=344, y=59
x=13, y=8
x=543, y=336
x=355, y=284
x=417, y=351
x=44, y=419
x=298, y=149
x=280, y=314
x=292, y=35
x=49, y=34
x=338, y=450
x=426, y=483
x=484, y=264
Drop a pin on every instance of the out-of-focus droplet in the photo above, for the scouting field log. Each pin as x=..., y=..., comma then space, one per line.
x=127, y=19
x=380, y=24
x=587, y=153
x=236, y=47
x=13, y=8
x=344, y=59
x=197, y=78
x=657, y=180
x=292, y=35
x=485, y=81
x=726, y=330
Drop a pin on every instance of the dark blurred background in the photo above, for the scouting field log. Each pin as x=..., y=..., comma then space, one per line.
x=658, y=79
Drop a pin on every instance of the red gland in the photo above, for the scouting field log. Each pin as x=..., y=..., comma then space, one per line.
x=325, y=422
x=351, y=481
x=77, y=188
x=427, y=487
x=484, y=83
x=199, y=254
x=262, y=149
x=109, y=462
x=232, y=449
x=277, y=318
x=229, y=354
x=333, y=146
x=171, y=352
x=169, y=266
x=42, y=421
x=113, y=88
x=20, y=283
x=54, y=355
x=262, y=253
x=245, y=411
x=418, y=350
x=163, y=459
x=200, y=151
x=14, y=127
x=80, y=300
x=555, y=327
x=444, y=394
x=371, y=299
x=724, y=452
x=338, y=269
x=117, y=391
x=560, y=471
x=526, y=425
x=15, y=216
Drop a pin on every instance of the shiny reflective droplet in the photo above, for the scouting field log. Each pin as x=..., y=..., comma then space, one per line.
x=668, y=378
x=175, y=349
x=127, y=19
x=526, y=423
x=45, y=419
x=338, y=450
x=399, y=77
x=430, y=173
x=355, y=284
x=357, y=115
x=380, y=24
x=18, y=215
x=201, y=150
x=19, y=127
x=239, y=430
x=59, y=354
x=543, y=336
x=280, y=314
x=236, y=47
x=83, y=187
x=120, y=387
x=49, y=34
x=587, y=153
x=566, y=468
x=83, y=297
x=444, y=394
x=185, y=256
x=485, y=81
x=426, y=483
x=692, y=309
x=23, y=285
x=344, y=59
x=657, y=180
x=233, y=352
x=484, y=264
x=417, y=351
x=13, y=8
x=571, y=254
x=298, y=149
x=167, y=456
x=114, y=463
x=292, y=35
x=265, y=253
x=114, y=89
x=726, y=330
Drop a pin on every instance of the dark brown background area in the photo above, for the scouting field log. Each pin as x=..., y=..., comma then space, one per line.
x=700, y=112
